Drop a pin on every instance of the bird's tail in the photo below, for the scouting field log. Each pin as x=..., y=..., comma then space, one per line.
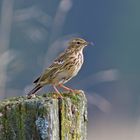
x=35, y=89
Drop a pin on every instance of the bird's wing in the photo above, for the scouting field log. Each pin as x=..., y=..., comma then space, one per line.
x=52, y=69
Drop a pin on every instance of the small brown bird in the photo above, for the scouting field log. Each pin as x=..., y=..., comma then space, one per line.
x=65, y=67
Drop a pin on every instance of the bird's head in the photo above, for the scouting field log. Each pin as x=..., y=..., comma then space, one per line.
x=77, y=44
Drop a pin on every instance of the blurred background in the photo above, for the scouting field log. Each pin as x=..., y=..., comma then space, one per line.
x=34, y=32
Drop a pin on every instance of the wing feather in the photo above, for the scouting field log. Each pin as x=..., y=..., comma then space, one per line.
x=52, y=69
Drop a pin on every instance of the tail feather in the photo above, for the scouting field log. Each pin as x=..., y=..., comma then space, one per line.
x=36, y=80
x=35, y=89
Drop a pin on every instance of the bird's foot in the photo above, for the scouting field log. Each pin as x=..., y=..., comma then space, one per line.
x=77, y=91
x=71, y=90
x=57, y=96
x=58, y=93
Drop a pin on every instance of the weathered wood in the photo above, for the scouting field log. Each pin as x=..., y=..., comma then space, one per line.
x=44, y=118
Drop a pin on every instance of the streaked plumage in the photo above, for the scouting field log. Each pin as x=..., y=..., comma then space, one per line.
x=65, y=67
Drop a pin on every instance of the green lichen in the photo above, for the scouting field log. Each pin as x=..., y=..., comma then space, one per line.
x=71, y=112
x=20, y=117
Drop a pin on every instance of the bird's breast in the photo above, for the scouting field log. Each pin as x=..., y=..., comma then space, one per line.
x=70, y=68
x=76, y=63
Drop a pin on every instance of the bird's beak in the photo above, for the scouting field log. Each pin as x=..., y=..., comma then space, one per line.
x=86, y=43
x=89, y=43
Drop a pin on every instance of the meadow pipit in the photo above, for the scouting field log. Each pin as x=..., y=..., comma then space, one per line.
x=65, y=67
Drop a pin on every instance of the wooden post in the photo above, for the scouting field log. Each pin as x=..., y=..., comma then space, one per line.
x=44, y=118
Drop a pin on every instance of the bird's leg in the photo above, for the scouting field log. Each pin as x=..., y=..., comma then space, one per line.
x=59, y=94
x=66, y=88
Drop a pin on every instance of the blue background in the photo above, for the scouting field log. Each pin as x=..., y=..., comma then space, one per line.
x=33, y=33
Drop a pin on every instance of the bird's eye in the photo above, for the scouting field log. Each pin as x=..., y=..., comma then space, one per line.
x=78, y=42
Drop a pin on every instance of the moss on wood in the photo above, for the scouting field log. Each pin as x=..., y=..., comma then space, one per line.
x=44, y=117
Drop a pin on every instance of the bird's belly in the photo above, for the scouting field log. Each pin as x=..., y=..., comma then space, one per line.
x=66, y=75
x=62, y=77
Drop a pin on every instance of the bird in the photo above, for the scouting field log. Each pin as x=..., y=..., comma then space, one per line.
x=64, y=68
